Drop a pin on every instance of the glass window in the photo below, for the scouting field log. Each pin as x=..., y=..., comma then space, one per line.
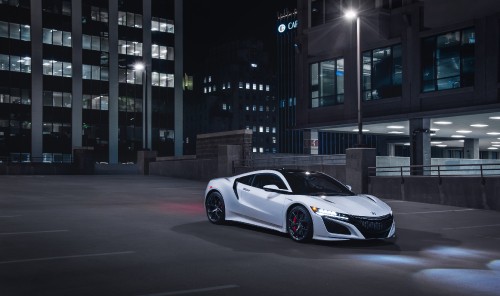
x=4, y=29
x=66, y=7
x=104, y=44
x=327, y=83
x=96, y=42
x=26, y=65
x=382, y=73
x=25, y=33
x=57, y=37
x=67, y=39
x=170, y=80
x=138, y=21
x=122, y=75
x=104, y=73
x=262, y=180
x=96, y=102
x=155, y=25
x=67, y=100
x=170, y=53
x=130, y=19
x=155, y=79
x=87, y=102
x=67, y=70
x=104, y=102
x=47, y=36
x=57, y=68
x=58, y=99
x=47, y=98
x=86, y=42
x=86, y=72
x=15, y=31
x=4, y=62
x=122, y=18
x=122, y=104
x=96, y=73
x=155, y=51
x=15, y=65
x=163, y=79
x=448, y=60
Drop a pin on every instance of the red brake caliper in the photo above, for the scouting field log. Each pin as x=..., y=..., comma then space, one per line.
x=294, y=227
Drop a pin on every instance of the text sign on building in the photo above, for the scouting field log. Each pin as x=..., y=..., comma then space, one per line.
x=289, y=26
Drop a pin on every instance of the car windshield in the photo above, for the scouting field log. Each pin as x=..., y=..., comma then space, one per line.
x=314, y=183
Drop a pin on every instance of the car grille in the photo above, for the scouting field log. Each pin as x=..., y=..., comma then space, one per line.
x=373, y=227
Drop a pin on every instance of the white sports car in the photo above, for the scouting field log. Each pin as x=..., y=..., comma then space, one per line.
x=303, y=203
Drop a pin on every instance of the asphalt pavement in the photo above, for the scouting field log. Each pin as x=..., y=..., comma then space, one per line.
x=149, y=236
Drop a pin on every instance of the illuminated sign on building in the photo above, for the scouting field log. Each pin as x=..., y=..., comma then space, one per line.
x=290, y=26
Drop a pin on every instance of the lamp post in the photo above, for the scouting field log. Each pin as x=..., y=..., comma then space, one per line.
x=141, y=67
x=350, y=15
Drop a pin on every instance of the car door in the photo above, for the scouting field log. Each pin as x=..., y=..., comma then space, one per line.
x=261, y=205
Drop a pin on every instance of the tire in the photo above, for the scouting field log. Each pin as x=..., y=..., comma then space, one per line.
x=216, y=210
x=299, y=224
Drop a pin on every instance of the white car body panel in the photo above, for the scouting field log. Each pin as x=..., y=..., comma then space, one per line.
x=266, y=209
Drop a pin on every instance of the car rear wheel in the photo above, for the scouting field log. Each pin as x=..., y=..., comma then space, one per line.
x=216, y=211
x=299, y=224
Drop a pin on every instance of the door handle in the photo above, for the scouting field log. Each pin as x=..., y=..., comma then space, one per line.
x=246, y=189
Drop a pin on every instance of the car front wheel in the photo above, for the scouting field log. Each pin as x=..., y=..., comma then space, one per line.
x=299, y=224
x=214, y=205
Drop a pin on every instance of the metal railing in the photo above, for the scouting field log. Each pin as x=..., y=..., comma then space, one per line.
x=439, y=171
x=292, y=161
x=35, y=160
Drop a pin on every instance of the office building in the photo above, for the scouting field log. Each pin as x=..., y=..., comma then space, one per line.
x=428, y=72
x=103, y=75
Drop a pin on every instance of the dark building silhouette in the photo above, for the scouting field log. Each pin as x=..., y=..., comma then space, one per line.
x=234, y=90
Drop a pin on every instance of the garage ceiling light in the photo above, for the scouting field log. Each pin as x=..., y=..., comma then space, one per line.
x=478, y=125
x=443, y=122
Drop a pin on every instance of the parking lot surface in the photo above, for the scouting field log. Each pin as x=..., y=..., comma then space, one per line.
x=149, y=236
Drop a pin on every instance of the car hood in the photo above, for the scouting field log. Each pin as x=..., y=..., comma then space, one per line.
x=357, y=205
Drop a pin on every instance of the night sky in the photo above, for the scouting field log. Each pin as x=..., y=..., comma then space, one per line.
x=207, y=23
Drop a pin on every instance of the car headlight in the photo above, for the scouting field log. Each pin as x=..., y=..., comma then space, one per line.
x=331, y=214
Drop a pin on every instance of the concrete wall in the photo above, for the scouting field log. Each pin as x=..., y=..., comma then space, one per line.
x=207, y=144
x=193, y=169
x=463, y=191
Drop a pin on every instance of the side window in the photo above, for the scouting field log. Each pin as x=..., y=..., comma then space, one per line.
x=268, y=179
x=247, y=180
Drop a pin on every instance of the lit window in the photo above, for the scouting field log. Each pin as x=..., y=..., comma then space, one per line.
x=261, y=87
x=247, y=85
x=240, y=84
x=261, y=129
x=254, y=86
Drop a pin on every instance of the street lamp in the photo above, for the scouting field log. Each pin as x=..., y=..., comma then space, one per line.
x=141, y=67
x=351, y=14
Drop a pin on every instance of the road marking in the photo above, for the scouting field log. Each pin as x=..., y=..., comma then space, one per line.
x=469, y=227
x=32, y=232
x=432, y=212
x=209, y=289
x=66, y=257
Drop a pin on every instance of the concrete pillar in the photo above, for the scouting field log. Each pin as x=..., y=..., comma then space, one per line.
x=178, y=74
x=147, y=61
x=76, y=69
x=226, y=155
x=311, y=141
x=358, y=160
x=36, y=81
x=113, y=82
x=420, y=142
x=143, y=160
x=391, y=149
x=471, y=148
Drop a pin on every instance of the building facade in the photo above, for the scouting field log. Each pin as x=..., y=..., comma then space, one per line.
x=420, y=61
x=69, y=78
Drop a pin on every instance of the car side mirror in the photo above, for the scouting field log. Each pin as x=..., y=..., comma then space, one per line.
x=349, y=187
x=272, y=188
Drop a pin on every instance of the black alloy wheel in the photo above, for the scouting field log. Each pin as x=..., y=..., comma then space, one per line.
x=299, y=224
x=216, y=211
